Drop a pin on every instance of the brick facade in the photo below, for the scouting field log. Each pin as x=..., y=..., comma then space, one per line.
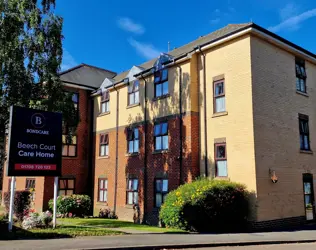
x=159, y=165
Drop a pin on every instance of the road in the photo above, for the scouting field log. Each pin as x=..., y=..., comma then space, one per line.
x=309, y=246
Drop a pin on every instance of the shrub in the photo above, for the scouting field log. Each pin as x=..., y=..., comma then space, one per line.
x=72, y=205
x=21, y=203
x=106, y=213
x=36, y=220
x=206, y=205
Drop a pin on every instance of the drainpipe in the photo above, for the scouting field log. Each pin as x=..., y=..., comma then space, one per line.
x=205, y=119
x=116, y=145
x=145, y=152
x=181, y=125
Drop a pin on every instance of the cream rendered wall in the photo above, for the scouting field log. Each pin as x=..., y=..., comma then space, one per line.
x=276, y=106
x=233, y=60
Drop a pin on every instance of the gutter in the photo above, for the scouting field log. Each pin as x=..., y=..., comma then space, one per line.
x=205, y=112
x=145, y=153
x=116, y=149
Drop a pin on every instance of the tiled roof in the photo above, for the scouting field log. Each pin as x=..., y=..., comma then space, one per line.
x=190, y=46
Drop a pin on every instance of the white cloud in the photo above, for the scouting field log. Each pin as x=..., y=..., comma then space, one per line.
x=129, y=25
x=293, y=22
x=144, y=49
x=215, y=21
x=68, y=61
x=288, y=11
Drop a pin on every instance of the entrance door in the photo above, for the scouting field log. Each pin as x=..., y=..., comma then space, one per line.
x=308, y=196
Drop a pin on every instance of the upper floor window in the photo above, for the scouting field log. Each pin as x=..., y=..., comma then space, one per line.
x=220, y=159
x=133, y=93
x=161, y=136
x=161, y=82
x=304, y=132
x=104, y=145
x=300, y=76
x=69, y=143
x=219, y=96
x=161, y=191
x=75, y=100
x=105, y=102
x=132, y=191
x=133, y=140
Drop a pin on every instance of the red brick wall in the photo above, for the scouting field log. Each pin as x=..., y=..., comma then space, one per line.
x=158, y=165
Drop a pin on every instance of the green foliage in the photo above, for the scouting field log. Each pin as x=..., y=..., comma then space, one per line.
x=72, y=205
x=21, y=203
x=206, y=205
x=30, y=58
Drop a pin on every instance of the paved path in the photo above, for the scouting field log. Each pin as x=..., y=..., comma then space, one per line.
x=160, y=240
x=309, y=246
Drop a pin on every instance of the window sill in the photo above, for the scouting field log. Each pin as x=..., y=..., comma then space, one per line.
x=104, y=157
x=102, y=203
x=302, y=93
x=221, y=177
x=306, y=152
x=130, y=206
x=131, y=154
x=219, y=114
x=165, y=151
x=133, y=105
x=105, y=113
x=161, y=97
x=69, y=157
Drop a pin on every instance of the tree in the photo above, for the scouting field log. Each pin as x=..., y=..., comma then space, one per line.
x=30, y=58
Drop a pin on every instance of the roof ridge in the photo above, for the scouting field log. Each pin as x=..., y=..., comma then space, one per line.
x=87, y=65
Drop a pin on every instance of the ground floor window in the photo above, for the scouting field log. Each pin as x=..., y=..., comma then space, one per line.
x=132, y=191
x=103, y=190
x=66, y=186
x=161, y=191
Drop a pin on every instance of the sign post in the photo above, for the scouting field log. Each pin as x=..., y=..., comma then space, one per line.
x=35, y=147
x=55, y=201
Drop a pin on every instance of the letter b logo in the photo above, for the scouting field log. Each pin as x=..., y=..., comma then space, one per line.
x=38, y=120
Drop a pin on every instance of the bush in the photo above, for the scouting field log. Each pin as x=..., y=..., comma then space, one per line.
x=106, y=213
x=207, y=205
x=21, y=203
x=36, y=220
x=72, y=205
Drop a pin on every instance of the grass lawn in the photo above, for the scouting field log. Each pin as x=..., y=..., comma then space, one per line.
x=62, y=231
x=108, y=223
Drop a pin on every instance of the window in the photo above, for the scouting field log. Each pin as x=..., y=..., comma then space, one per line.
x=221, y=160
x=161, y=82
x=29, y=184
x=133, y=93
x=161, y=136
x=132, y=140
x=132, y=191
x=103, y=190
x=219, y=96
x=66, y=186
x=161, y=191
x=75, y=100
x=304, y=132
x=104, y=145
x=300, y=76
x=69, y=144
x=105, y=102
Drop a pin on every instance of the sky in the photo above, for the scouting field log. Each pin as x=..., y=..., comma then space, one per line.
x=117, y=34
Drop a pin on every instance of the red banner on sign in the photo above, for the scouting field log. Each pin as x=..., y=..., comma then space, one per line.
x=34, y=167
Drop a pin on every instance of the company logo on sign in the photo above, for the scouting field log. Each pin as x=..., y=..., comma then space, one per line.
x=38, y=120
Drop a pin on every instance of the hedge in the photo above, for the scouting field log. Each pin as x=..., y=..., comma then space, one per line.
x=22, y=203
x=206, y=206
x=72, y=205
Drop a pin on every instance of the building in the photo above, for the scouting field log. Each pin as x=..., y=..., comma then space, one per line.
x=235, y=104
x=76, y=164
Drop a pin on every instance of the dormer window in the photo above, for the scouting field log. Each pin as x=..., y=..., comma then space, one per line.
x=133, y=93
x=161, y=82
x=105, y=102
